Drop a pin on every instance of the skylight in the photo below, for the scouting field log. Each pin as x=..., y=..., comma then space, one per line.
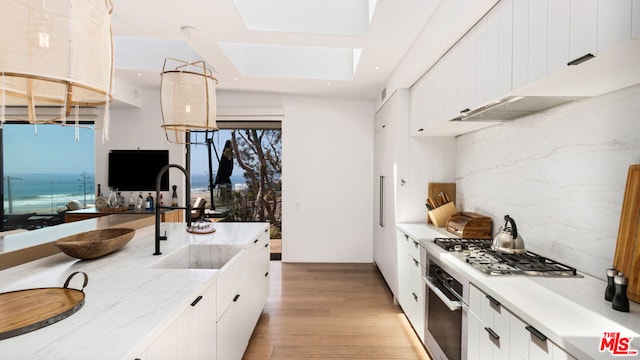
x=147, y=54
x=337, y=17
x=293, y=61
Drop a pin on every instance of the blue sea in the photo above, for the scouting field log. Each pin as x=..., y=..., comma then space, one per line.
x=200, y=182
x=46, y=193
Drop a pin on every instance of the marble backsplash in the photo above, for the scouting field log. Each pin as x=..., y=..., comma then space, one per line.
x=560, y=174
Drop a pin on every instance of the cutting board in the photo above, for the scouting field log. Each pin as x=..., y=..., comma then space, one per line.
x=627, y=256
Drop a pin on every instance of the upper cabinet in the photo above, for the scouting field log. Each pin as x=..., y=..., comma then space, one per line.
x=531, y=50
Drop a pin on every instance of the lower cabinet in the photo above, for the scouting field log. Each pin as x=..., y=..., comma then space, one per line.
x=496, y=333
x=411, y=290
x=215, y=325
x=235, y=326
x=191, y=335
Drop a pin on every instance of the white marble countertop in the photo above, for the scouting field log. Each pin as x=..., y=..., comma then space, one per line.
x=571, y=312
x=126, y=303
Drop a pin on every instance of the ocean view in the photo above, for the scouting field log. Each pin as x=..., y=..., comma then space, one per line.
x=200, y=182
x=47, y=193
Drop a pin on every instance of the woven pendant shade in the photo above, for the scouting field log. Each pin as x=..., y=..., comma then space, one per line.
x=188, y=98
x=55, y=53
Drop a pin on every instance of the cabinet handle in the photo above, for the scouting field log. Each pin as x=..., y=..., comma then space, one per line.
x=255, y=241
x=464, y=111
x=415, y=243
x=235, y=298
x=415, y=297
x=421, y=129
x=581, y=59
x=266, y=274
x=493, y=300
x=266, y=245
x=415, y=262
x=196, y=301
x=381, y=212
x=266, y=230
x=536, y=333
x=492, y=333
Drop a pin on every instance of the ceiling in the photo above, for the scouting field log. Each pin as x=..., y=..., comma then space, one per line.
x=341, y=48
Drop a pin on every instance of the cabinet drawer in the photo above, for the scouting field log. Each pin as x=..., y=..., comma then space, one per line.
x=414, y=273
x=231, y=280
x=413, y=307
x=411, y=245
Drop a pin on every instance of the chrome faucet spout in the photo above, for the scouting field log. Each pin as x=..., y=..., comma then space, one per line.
x=187, y=201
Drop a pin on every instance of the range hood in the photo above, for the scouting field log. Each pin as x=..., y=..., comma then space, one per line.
x=513, y=107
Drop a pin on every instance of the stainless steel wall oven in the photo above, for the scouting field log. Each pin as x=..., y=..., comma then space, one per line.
x=446, y=311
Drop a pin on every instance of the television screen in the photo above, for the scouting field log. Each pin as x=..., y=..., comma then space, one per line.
x=136, y=170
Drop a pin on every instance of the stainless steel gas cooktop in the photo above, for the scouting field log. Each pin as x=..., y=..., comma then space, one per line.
x=478, y=253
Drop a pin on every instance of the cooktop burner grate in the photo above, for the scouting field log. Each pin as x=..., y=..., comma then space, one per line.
x=459, y=244
x=478, y=253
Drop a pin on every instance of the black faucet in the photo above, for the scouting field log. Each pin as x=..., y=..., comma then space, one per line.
x=187, y=201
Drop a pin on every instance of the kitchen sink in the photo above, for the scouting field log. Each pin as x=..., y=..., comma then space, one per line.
x=197, y=256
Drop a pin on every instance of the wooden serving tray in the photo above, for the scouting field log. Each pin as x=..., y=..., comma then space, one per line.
x=627, y=256
x=27, y=310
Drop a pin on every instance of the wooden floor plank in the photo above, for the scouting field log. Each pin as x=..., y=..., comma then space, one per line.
x=331, y=311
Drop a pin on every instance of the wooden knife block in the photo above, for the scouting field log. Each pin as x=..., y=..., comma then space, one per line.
x=627, y=256
x=433, y=190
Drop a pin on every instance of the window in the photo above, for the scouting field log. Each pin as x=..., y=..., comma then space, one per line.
x=43, y=170
x=246, y=189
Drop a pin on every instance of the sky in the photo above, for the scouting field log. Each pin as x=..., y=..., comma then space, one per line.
x=52, y=150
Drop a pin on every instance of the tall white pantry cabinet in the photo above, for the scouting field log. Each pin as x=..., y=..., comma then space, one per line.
x=403, y=167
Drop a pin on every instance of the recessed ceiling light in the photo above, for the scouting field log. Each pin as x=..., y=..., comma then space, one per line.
x=377, y=67
x=235, y=79
x=138, y=74
x=328, y=84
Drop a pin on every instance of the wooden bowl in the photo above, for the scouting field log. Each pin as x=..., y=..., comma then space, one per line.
x=96, y=243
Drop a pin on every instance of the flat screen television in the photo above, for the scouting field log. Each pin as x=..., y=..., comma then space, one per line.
x=136, y=170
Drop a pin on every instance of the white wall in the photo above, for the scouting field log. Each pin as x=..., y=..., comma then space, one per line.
x=327, y=189
x=560, y=174
x=327, y=156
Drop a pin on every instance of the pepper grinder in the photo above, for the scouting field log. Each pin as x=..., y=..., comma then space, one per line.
x=620, y=301
x=611, y=290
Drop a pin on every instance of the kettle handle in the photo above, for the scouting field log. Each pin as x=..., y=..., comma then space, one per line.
x=514, y=229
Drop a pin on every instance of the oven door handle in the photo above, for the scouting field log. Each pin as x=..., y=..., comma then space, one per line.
x=452, y=305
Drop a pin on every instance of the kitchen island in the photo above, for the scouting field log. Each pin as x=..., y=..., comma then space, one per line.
x=131, y=303
x=570, y=311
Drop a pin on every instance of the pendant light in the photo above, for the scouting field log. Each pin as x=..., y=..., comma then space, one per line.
x=56, y=54
x=187, y=96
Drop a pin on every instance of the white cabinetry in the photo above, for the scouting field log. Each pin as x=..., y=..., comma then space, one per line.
x=191, y=336
x=529, y=343
x=496, y=333
x=583, y=28
x=635, y=19
x=384, y=249
x=410, y=285
x=517, y=49
x=218, y=323
x=557, y=35
x=614, y=23
x=236, y=323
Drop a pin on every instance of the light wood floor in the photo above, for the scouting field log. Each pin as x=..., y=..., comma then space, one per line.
x=331, y=311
